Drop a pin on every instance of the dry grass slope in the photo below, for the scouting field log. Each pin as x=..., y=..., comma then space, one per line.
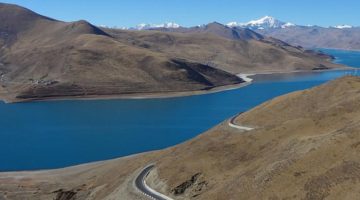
x=42, y=58
x=306, y=146
x=219, y=50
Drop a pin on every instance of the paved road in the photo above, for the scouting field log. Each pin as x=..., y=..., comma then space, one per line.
x=232, y=124
x=140, y=184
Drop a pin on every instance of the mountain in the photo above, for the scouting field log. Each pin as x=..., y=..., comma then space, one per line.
x=45, y=58
x=340, y=37
x=235, y=50
x=305, y=145
x=42, y=58
x=342, y=26
x=262, y=23
x=266, y=22
x=144, y=26
x=218, y=29
x=215, y=28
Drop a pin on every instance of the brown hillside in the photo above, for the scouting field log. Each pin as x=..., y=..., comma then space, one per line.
x=217, y=49
x=42, y=58
x=305, y=146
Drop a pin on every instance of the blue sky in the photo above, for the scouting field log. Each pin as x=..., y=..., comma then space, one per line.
x=194, y=12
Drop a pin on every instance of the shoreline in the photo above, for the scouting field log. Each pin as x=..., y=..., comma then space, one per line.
x=75, y=166
x=135, y=96
x=341, y=49
x=299, y=71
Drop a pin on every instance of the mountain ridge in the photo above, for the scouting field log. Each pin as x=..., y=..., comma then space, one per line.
x=308, y=36
x=265, y=22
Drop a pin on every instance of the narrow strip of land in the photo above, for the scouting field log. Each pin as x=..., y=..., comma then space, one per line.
x=140, y=184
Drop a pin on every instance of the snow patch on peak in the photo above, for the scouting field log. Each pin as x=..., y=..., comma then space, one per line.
x=232, y=24
x=145, y=26
x=343, y=26
x=288, y=24
x=142, y=26
x=267, y=20
x=262, y=23
x=170, y=25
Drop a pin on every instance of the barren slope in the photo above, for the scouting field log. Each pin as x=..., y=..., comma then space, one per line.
x=305, y=146
x=231, y=49
x=218, y=29
x=42, y=58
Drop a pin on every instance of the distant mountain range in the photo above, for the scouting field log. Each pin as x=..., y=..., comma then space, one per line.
x=269, y=22
x=338, y=37
x=308, y=36
x=150, y=26
x=266, y=22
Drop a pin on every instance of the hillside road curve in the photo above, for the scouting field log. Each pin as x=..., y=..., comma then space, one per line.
x=140, y=184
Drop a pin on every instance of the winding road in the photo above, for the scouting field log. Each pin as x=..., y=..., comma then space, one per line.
x=140, y=181
x=233, y=125
x=141, y=185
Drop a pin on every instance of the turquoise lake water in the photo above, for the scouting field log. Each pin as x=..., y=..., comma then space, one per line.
x=44, y=135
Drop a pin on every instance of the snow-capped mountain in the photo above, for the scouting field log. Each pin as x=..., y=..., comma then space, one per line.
x=234, y=24
x=342, y=26
x=262, y=23
x=144, y=26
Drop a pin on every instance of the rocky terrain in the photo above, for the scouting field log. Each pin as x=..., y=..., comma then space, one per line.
x=305, y=145
x=42, y=58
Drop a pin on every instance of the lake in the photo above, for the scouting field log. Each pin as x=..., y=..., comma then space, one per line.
x=53, y=134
